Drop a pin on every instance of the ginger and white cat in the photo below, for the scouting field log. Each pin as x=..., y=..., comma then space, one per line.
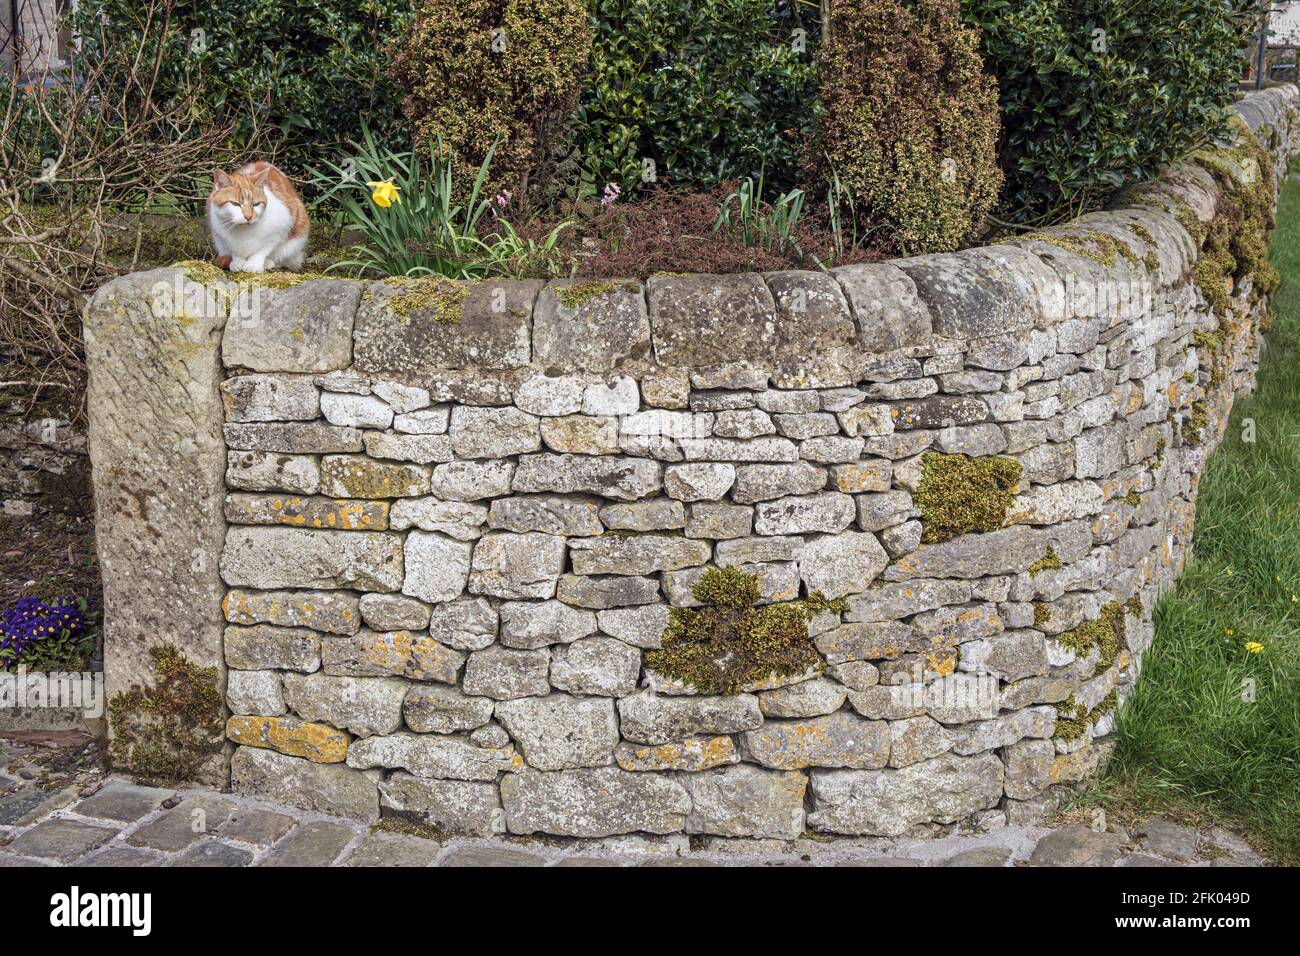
x=258, y=222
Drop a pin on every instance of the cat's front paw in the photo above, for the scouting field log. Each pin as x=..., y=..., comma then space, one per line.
x=239, y=265
x=253, y=265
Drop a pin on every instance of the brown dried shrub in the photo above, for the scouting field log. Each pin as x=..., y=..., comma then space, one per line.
x=670, y=231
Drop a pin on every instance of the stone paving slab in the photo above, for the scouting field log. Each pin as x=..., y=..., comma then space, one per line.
x=127, y=825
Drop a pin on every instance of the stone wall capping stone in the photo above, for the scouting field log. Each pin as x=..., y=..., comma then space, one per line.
x=490, y=326
x=709, y=320
x=970, y=296
x=306, y=327
x=590, y=326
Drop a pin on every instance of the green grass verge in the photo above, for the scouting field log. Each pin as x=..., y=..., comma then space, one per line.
x=1191, y=741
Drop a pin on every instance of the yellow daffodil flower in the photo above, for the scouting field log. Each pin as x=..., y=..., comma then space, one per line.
x=384, y=193
x=1254, y=647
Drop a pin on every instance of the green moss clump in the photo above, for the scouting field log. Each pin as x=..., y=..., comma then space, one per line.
x=817, y=602
x=1132, y=499
x=1159, y=460
x=1070, y=707
x=1104, y=706
x=727, y=587
x=167, y=733
x=1094, y=245
x=445, y=298
x=408, y=822
x=1235, y=244
x=1070, y=728
x=1197, y=421
x=1074, y=720
x=1042, y=614
x=1141, y=232
x=1048, y=562
x=1106, y=634
x=207, y=273
x=204, y=273
x=1207, y=343
x=580, y=293
x=1134, y=606
x=959, y=495
x=1194, y=227
x=731, y=642
x=1211, y=275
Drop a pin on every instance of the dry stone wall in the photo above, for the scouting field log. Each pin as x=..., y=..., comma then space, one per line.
x=43, y=461
x=456, y=532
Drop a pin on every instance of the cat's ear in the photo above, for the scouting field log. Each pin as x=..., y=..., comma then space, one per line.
x=219, y=179
x=261, y=178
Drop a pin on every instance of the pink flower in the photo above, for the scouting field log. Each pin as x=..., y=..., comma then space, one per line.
x=612, y=192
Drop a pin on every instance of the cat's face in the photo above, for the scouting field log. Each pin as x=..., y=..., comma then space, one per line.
x=237, y=199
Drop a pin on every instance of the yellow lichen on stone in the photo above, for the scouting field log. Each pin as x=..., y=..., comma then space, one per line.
x=318, y=743
x=339, y=513
x=411, y=654
x=359, y=477
x=943, y=664
x=245, y=607
x=691, y=754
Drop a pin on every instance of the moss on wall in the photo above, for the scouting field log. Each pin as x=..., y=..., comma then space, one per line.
x=442, y=297
x=167, y=733
x=959, y=494
x=1106, y=634
x=732, y=642
x=1235, y=243
x=1073, y=719
x=1097, y=246
x=580, y=293
x=1050, y=561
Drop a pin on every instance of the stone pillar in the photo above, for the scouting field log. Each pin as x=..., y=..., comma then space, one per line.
x=153, y=347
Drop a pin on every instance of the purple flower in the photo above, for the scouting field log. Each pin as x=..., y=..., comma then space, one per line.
x=612, y=192
x=31, y=620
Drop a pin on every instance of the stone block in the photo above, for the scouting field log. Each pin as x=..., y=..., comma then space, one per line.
x=297, y=557
x=305, y=327
x=471, y=325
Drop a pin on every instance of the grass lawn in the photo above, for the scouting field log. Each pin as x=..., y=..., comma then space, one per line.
x=1189, y=743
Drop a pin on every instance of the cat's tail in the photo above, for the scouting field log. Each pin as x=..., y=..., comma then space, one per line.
x=222, y=263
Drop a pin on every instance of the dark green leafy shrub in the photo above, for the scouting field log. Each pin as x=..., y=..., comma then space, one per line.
x=1099, y=93
x=707, y=90
x=909, y=122
x=296, y=77
x=483, y=72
